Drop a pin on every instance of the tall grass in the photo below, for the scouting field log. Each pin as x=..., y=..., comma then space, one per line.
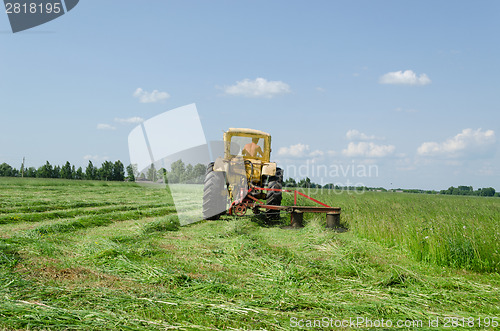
x=457, y=231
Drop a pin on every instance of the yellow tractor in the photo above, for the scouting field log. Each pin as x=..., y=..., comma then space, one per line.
x=245, y=174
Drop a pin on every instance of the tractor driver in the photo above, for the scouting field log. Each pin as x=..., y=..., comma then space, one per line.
x=252, y=149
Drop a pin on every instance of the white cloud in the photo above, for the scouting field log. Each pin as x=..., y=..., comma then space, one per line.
x=467, y=143
x=367, y=149
x=407, y=77
x=298, y=150
x=150, y=97
x=102, y=126
x=302, y=150
x=316, y=153
x=259, y=87
x=320, y=89
x=359, y=136
x=130, y=120
x=331, y=153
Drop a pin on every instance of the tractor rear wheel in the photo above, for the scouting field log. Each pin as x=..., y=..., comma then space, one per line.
x=214, y=202
x=273, y=198
x=279, y=175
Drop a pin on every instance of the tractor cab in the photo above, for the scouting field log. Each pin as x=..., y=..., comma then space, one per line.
x=247, y=143
x=246, y=164
x=253, y=149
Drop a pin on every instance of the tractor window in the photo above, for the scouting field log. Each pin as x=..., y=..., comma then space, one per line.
x=247, y=146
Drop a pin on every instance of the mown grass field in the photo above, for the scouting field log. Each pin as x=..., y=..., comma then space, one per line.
x=98, y=255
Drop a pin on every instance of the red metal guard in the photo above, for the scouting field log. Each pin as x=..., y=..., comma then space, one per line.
x=247, y=201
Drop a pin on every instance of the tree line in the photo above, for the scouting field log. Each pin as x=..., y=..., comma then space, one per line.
x=468, y=190
x=460, y=190
x=179, y=173
x=111, y=171
x=307, y=183
x=108, y=171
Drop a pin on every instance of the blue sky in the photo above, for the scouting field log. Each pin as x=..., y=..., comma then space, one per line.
x=410, y=87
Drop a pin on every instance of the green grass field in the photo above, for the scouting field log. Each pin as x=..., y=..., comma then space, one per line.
x=102, y=255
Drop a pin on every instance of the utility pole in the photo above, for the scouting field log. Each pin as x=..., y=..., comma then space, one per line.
x=22, y=169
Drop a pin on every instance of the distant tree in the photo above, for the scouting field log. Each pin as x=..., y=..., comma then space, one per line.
x=45, y=171
x=187, y=176
x=448, y=191
x=488, y=192
x=306, y=183
x=73, y=172
x=290, y=182
x=162, y=174
x=90, y=171
x=118, y=171
x=66, y=171
x=30, y=172
x=5, y=170
x=465, y=190
x=106, y=171
x=151, y=174
x=79, y=173
x=56, y=172
x=199, y=173
x=130, y=173
x=177, y=171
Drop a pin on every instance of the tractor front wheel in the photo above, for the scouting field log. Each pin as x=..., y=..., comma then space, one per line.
x=214, y=200
x=273, y=198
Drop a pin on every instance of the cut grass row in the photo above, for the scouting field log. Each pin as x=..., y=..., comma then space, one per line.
x=74, y=212
x=223, y=274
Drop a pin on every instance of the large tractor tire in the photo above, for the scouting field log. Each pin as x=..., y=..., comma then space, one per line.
x=273, y=198
x=279, y=176
x=214, y=202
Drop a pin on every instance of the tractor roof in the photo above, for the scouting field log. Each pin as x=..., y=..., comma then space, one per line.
x=250, y=131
